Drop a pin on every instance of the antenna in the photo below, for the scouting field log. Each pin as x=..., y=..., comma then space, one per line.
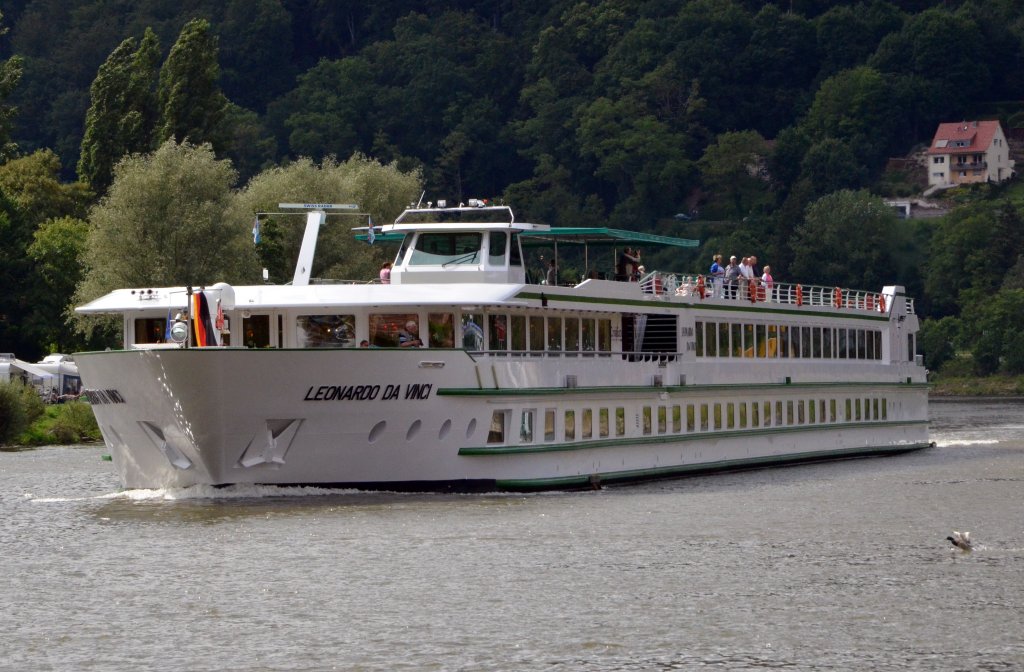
x=420, y=202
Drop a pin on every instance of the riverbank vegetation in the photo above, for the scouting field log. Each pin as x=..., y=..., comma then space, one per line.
x=138, y=152
x=26, y=421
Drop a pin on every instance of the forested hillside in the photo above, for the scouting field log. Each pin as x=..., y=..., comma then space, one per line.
x=758, y=128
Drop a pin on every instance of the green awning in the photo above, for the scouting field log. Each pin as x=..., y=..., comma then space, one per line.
x=568, y=235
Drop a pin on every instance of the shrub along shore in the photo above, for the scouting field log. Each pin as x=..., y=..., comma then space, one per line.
x=26, y=421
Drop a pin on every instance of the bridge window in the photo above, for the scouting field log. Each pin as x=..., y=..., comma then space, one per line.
x=472, y=331
x=443, y=249
x=496, y=248
x=442, y=330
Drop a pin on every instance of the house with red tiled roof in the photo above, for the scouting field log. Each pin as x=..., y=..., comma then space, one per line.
x=967, y=152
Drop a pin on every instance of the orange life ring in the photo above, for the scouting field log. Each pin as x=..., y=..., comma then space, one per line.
x=799, y=295
x=700, y=285
x=870, y=299
x=881, y=303
x=837, y=298
x=752, y=290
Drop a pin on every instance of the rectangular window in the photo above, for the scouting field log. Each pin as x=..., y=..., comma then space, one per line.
x=772, y=345
x=857, y=408
x=778, y=414
x=794, y=341
x=499, y=423
x=826, y=343
x=800, y=412
x=821, y=410
x=842, y=344
x=703, y=417
x=677, y=419
x=394, y=330
x=759, y=335
x=691, y=420
x=496, y=250
x=755, y=415
x=816, y=342
x=875, y=404
x=604, y=335
x=589, y=330
x=743, y=415
x=572, y=334
x=862, y=350
x=256, y=331
x=151, y=330
x=699, y=333
x=748, y=340
x=620, y=421
x=497, y=332
x=789, y=412
x=441, y=330
x=767, y=406
x=587, y=431
x=519, y=333
x=711, y=339
x=662, y=419
x=436, y=249
x=647, y=420
x=549, y=424
x=730, y=416
x=331, y=331
x=536, y=333
x=737, y=340
x=849, y=410
x=472, y=331
x=570, y=425
x=554, y=333
x=526, y=426
x=723, y=339
x=831, y=410
x=602, y=422
x=718, y=416
x=885, y=408
x=805, y=342
x=878, y=345
x=812, y=407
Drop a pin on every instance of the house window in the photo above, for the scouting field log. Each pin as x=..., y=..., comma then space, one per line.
x=939, y=159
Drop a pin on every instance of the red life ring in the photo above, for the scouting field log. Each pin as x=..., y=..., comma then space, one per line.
x=837, y=298
x=700, y=285
x=870, y=302
x=799, y=295
x=881, y=303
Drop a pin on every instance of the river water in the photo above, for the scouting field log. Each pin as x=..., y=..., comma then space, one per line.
x=833, y=566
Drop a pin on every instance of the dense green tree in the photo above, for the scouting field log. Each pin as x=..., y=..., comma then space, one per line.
x=849, y=239
x=733, y=169
x=938, y=341
x=381, y=191
x=190, y=102
x=121, y=116
x=10, y=75
x=162, y=224
x=33, y=183
x=56, y=250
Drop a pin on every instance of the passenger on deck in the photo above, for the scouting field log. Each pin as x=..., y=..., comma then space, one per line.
x=385, y=273
x=717, y=273
x=410, y=337
x=552, y=275
x=767, y=282
x=627, y=262
x=732, y=278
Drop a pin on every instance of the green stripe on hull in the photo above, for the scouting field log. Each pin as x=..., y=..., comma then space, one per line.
x=650, y=304
x=547, y=391
x=609, y=477
x=478, y=451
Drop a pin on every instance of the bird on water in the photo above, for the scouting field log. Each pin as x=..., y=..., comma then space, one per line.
x=961, y=540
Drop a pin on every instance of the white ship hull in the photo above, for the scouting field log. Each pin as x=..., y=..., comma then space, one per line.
x=421, y=419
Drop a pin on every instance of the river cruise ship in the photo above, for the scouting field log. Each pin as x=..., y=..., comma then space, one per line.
x=459, y=374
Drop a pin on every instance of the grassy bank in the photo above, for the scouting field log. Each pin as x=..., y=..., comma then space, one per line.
x=957, y=379
x=26, y=421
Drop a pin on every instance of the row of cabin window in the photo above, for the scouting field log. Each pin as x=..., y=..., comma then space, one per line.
x=701, y=417
x=472, y=331
x=731, y=339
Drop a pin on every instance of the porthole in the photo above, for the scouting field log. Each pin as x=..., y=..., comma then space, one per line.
x=471, y=428
x=414, y=429
x=445, y=428
x=377, y=430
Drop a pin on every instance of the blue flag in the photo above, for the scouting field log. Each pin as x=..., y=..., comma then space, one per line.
x=256, y=238
x=370, y=235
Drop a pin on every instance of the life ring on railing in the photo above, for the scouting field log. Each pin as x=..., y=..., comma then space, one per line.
x=837, y=297
x=752, y=290
x=700, y=285
x=869, y=302
x=881, y=303
x=799, y=295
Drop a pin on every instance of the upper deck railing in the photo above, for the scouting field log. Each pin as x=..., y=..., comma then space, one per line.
x=663, y=284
